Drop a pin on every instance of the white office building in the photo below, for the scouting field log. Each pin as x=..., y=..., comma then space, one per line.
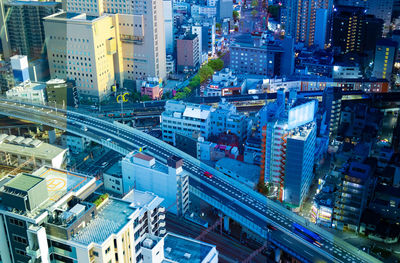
x=142, y=172
x=28, y=92
x=185, y=118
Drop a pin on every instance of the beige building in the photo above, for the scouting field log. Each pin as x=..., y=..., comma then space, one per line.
x=126, y=40
x=83, y=49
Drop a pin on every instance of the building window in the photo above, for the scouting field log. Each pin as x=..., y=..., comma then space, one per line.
x=16, y=222
x=20, y=239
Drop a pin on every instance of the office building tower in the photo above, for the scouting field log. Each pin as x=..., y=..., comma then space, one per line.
x=142, y=33
x=385, y=56
x=321, y=27
x=45, y=222
x=262, y=57
x=300, y=19
x=197, y=30
x=20, y=68
x=288, y=134
x=208, y=33
x=24, y=26
x=224, y=9
x=188, y=57
x=168, y=26
x=381, y=9
x=83, y=49
x=354, y=30
x=170, y=182
x=332, y=104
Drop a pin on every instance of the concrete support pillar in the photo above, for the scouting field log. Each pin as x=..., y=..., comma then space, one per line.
x=226, y=224
x=52, y=136
x=277, y=255
x=19, y=131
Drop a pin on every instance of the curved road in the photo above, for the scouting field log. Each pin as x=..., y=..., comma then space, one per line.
x=255, y=208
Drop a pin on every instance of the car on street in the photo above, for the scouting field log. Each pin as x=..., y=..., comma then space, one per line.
x=208, y=174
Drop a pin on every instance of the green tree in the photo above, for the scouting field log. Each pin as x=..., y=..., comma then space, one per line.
x=254, y=3
x=235, y=15
x=179, y=96
x=205, y=73
x=194, y=82
x=187, y=90
x=216, y=64
x=254, y=12
x=135, y=96
x=145, y=98
x=167, y=95
x=218, y=26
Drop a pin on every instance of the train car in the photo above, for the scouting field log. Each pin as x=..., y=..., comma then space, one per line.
x=307, y=234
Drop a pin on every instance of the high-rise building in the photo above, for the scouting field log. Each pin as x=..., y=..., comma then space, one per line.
x=24, y=22
x=332, y=104
x=188, y=57
x=168, y=26
x=84, y=49
x=44, y=220
x=352, y=196
x=381, y=9
x=141, y=29
x=385, y=56
x=301, y=17
x=208, y=33
x=262, y=57
x=288, y=134
x=354, y=30
x=224, y=9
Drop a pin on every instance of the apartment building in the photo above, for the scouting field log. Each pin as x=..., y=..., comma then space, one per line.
x=352, y=196
x=45, y=220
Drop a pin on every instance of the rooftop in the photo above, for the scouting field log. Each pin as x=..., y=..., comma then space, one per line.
x=110, y=220
x=143, y=157
x=61, y=182
x=146, y=200
x=29, y=147
x=185, y=250
x=247, y=171
x=24, y=182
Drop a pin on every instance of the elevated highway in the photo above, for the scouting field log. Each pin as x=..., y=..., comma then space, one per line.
x=235, y=200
